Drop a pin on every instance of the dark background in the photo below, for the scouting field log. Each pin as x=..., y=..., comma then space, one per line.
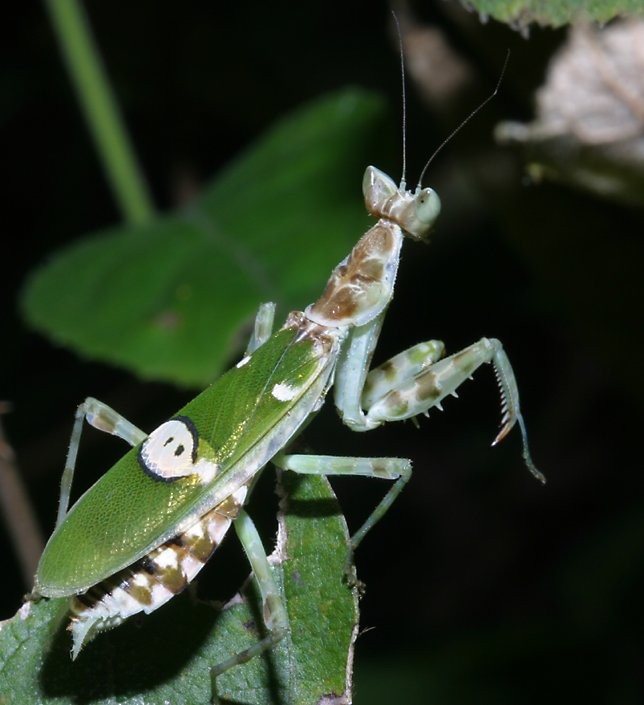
x=482, y=585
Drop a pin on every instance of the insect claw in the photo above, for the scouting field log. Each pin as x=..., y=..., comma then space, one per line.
x=503, y=432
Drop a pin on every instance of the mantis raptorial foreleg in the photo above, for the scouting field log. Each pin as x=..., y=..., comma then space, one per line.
x=418, y=379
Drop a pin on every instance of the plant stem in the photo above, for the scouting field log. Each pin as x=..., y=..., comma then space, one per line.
x=101, y=110
x=17, y=510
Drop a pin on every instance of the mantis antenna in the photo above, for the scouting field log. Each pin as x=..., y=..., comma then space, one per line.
x=403, y=182
x=464, y=122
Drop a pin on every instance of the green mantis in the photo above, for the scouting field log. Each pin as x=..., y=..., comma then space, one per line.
x=194, y=473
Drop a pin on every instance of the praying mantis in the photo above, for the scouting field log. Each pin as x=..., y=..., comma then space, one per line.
x=194, y=474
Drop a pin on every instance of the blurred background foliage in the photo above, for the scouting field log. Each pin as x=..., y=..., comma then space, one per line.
x=482, y=586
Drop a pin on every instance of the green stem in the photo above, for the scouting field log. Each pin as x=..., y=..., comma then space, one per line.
x=101, y=110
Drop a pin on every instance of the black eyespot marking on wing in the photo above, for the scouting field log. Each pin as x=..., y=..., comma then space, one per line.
x=170, y=451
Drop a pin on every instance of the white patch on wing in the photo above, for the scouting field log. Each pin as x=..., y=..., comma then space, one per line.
x=243, y=361
x=206, y=469
x=284, y=392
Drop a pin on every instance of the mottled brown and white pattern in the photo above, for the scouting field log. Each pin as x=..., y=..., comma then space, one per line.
x=406, y=365
x=363, y=283
x=154, y=579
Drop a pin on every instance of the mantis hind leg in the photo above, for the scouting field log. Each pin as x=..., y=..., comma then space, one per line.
x=273, y=611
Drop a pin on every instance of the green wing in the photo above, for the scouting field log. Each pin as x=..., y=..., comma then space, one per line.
x=242, y=420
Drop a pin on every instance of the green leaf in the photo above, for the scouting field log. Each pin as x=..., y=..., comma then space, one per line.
x=166, y=657
x=555, y=13
x=167, y=300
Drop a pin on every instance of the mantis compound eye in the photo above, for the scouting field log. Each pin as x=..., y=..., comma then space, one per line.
x=428, y=206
